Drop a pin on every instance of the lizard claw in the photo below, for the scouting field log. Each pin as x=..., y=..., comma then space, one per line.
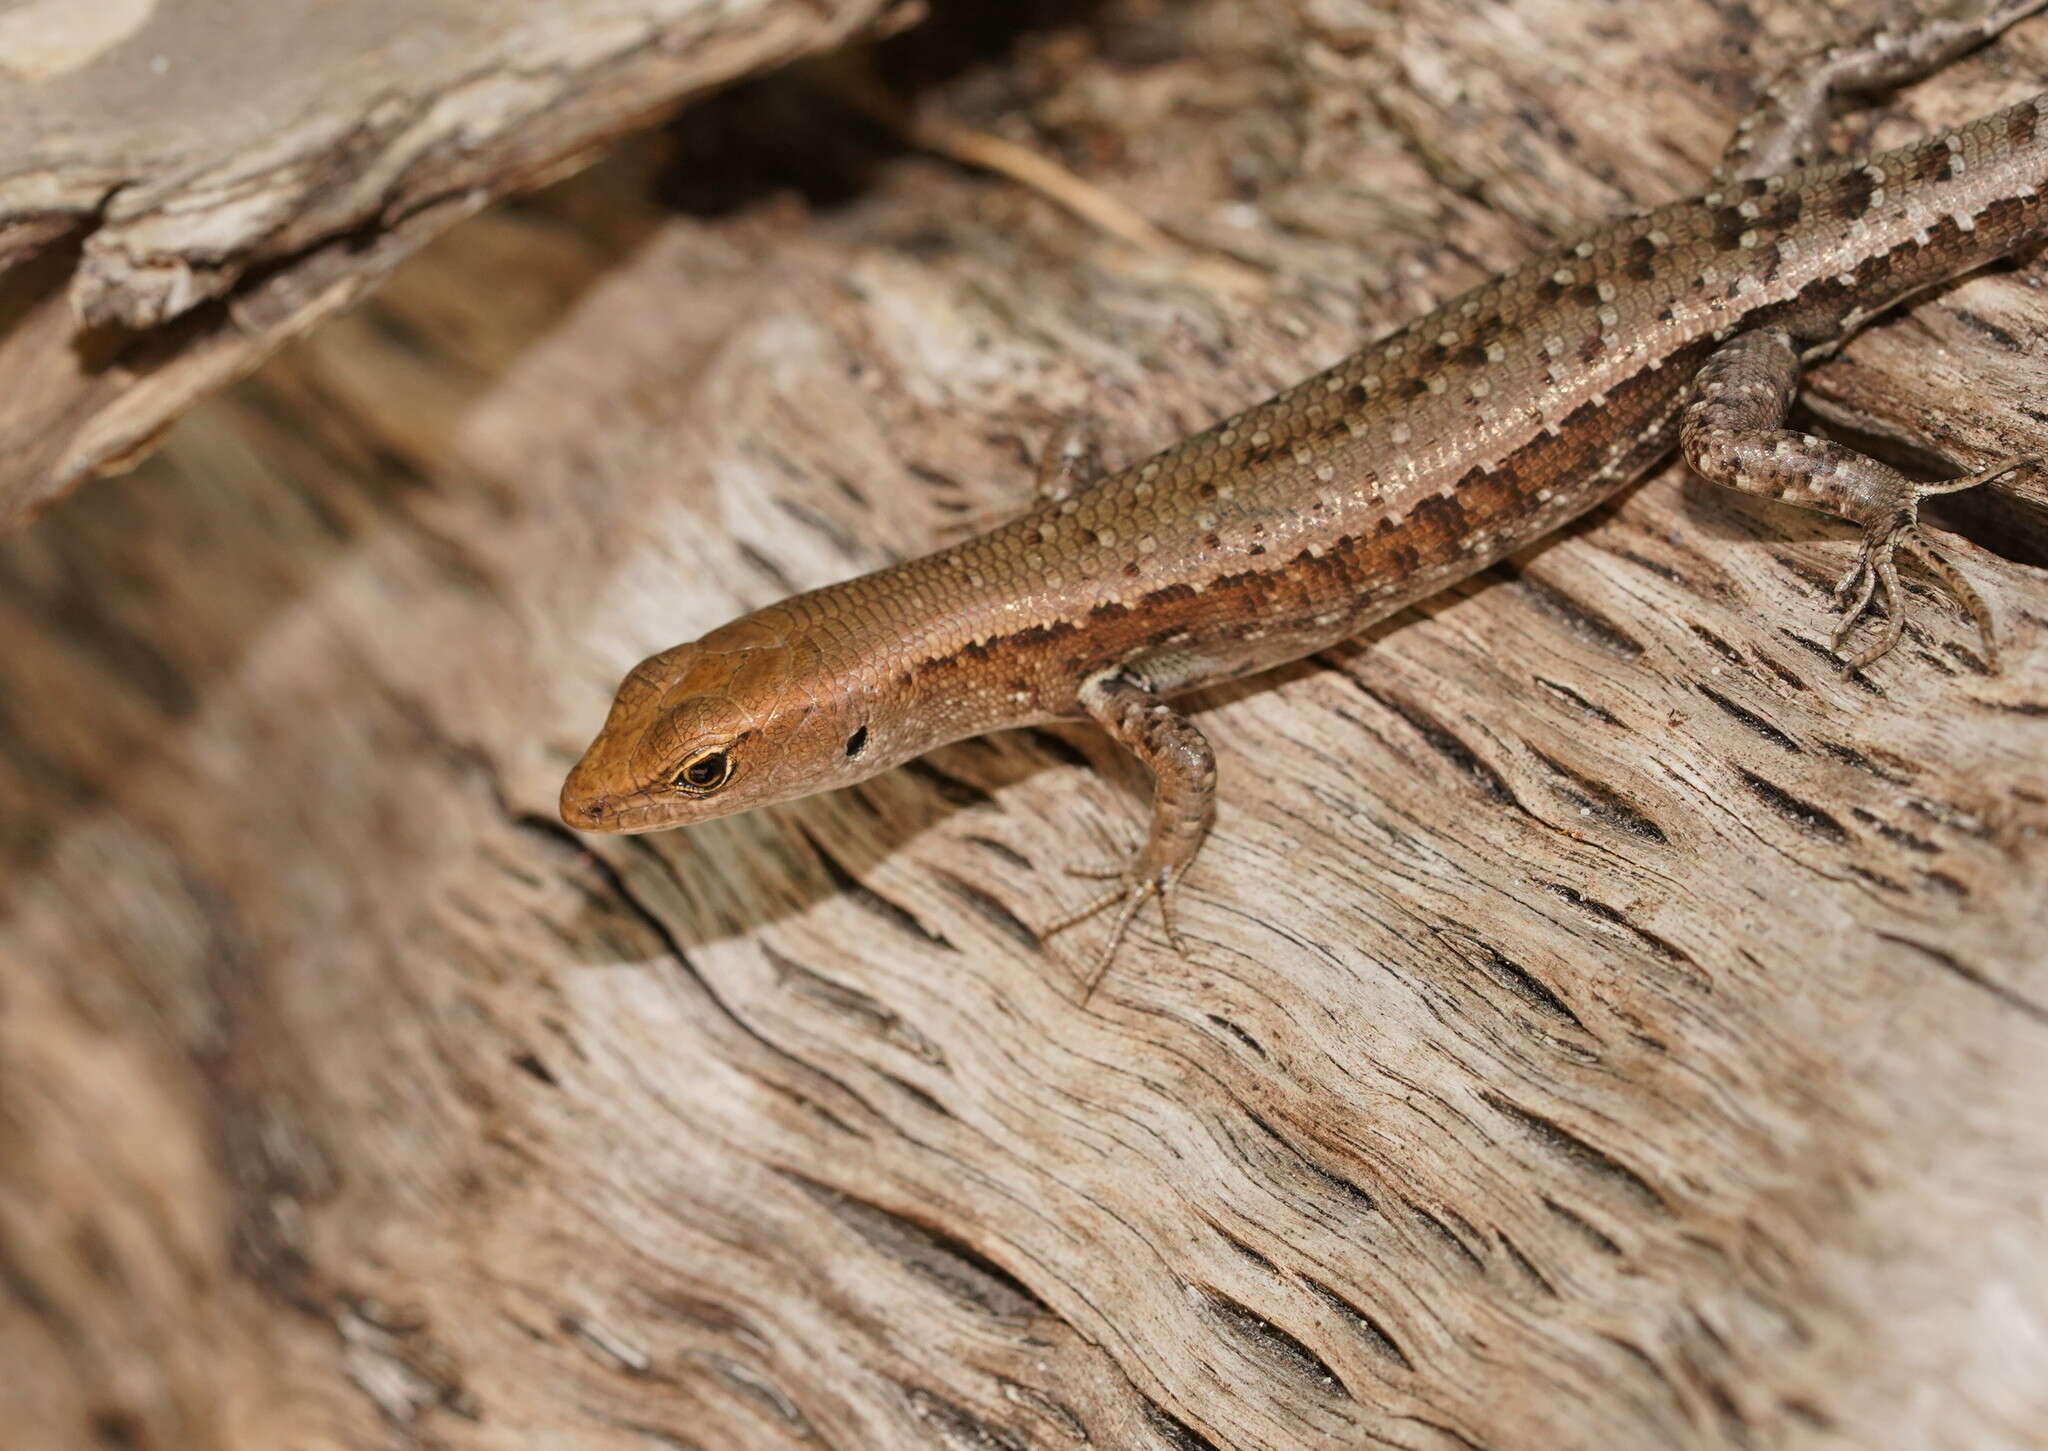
x=1133, y=886
x=1874, y=577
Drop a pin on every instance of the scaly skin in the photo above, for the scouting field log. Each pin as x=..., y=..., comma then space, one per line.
x=1465, y=436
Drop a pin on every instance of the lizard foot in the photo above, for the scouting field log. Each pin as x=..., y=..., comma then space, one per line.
x=1874, y=577
x=1134, y=885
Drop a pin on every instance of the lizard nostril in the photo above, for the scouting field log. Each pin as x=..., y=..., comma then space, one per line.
x=583, y=812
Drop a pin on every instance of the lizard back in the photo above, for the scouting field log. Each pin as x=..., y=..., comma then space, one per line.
x=1428, y=455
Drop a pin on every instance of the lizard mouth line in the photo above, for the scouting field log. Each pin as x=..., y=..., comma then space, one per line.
x=623, y=817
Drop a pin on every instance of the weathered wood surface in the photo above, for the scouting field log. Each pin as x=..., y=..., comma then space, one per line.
x=185, y=184
x=1608, y=1026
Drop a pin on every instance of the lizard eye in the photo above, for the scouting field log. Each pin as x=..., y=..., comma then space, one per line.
x=704, y=772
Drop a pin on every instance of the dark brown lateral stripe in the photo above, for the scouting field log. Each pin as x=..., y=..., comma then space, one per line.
x=1430, y=536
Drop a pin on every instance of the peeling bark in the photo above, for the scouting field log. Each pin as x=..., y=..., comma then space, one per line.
x=1608, y=1025
x=215, y=168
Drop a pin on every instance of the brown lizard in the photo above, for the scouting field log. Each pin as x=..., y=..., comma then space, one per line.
x=1420, y=460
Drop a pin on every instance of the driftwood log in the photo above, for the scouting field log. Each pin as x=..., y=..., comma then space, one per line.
x=185, y=184
x=1608, y=1025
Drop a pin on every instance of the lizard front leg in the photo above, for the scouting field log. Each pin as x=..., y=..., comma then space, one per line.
x=1732, y=435
x=1183, y=805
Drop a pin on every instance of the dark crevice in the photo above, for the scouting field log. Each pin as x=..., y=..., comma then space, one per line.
x=704, y=1314
x=1750, y=720
x=1527, y=1266
x=850, y=887
x=529, y=1063
x=1944, y=883
x=1584, y=1227
x=1644, y=1361
x=1808, y=1413
x=957, y=1426
x=647, y=917
x=1897, y=835
x=1601, y=801
x=1369, y=1329
x=1594, y=907
x=1662, y=571
x=1975, y=977
x=1176, y=1433
x=1800, y=813
x=1446, y=743
x=824, y=527
x=1054, y=1410
x=1896, y=773
x=1238, y=1033
x=1876, y=879
x=1827, y=656
x=1246, y=1250
x=795, y=132
x=767, y=567
x=1274, y=1345
x=1583, y=619
x=1358, y=1197
x=1721, y=1397
x=1512, y=976
x=874, y=1017
x=1787, y=677
x=118, y=1430
x=1718, y=645
x=1444, y=1232
x=990, y=910
x=1579, y=702
x=1060, y=750
x=1984, y=326
x=1294, y=1153
x=915, y=1094
x=1577, y=1151
x=961, y=1271
x=1011, y=857
x=951, y=789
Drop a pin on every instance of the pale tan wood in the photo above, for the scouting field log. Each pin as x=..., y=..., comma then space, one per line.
x=186, y=184
x=1608, y=1025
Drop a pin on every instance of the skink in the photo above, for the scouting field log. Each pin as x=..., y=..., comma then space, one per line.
x=1465, y=436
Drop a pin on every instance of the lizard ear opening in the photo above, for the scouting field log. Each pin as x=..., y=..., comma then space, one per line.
x=856, y=743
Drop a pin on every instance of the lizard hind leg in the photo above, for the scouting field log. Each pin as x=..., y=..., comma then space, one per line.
x=1732, y=434
x=1068, y=461
x=1066, y=464
x=1184, y=803
x=1783, y=128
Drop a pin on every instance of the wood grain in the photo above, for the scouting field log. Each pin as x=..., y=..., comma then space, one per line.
x=1608, y=1025
x=187, y=184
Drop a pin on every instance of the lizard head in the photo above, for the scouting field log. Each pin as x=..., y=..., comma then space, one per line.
x=722, y=725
